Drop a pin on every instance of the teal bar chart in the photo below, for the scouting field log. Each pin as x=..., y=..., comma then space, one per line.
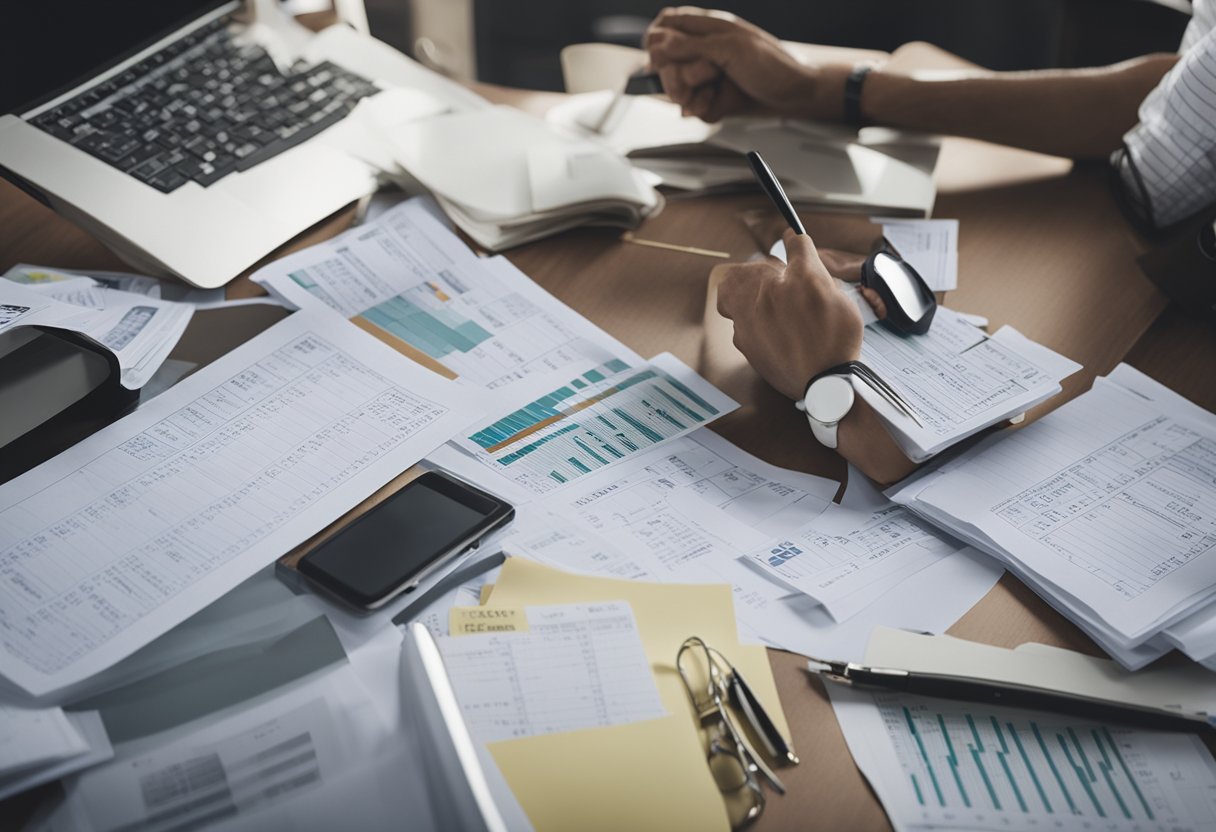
x=975, y=767
x=606, y=414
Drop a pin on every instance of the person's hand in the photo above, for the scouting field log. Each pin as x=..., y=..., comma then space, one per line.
x=714, y=64
x=791, y=322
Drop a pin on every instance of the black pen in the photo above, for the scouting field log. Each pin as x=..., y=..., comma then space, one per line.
x=1008, y=694
x=764, y=175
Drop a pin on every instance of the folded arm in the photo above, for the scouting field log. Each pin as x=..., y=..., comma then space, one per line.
x=714, y=65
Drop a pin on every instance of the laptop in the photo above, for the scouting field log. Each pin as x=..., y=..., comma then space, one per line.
x=189, y=143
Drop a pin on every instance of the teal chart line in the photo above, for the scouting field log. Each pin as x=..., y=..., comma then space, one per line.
x=1015, y=767
x=576, y=429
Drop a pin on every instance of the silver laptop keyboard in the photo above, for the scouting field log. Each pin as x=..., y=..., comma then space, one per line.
x=202, y=108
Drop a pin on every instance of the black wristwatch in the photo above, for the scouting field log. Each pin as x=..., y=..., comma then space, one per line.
x=852, y=93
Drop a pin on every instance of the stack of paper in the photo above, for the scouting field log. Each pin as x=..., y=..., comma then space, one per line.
x=140, y=330
x=957, y=379
x=1106, y=507
x=507, y=178
x=876, y=170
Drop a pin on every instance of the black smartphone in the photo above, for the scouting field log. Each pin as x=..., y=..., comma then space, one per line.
x=397, y=544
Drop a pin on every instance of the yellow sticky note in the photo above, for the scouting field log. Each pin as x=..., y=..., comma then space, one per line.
x=483, y=594
x=464, y=621
x=645, y=775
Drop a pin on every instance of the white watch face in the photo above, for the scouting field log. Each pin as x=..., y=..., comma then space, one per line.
x=829, y=399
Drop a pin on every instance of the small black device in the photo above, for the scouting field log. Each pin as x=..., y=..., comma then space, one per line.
x=909, y=300
x=397, y=544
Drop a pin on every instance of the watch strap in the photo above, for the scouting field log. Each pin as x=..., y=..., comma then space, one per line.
x=852, y=93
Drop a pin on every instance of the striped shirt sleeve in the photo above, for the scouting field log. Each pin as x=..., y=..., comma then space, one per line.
x=1174, y=146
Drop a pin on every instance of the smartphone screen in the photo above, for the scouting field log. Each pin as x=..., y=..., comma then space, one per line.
x=387, y=549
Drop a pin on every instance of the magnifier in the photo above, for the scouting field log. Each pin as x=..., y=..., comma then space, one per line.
x=909, y=301
x=910, y=304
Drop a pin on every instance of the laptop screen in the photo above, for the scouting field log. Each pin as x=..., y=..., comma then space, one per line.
x=50, y=46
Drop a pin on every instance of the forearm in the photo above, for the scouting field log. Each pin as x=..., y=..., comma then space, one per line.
x=1077, y=113
x=863, y=440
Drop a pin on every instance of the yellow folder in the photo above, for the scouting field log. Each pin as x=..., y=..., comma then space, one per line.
x=643, y=775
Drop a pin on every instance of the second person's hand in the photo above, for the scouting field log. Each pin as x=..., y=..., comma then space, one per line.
x=714, y=64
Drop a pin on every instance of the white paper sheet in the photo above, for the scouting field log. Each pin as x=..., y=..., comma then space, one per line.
x=931, y=246
x=410, y=277
x=271, y=763
x=36, y=736
x=937, y=764
x=139, y=329
x=1107, y=506
x=681, y=512
x=854, y=552
x=142, y=524
x=97, y=749
x=957, y=379
x=592, y=421
x=134, y=283
x=578, y=666
x=1185, y=688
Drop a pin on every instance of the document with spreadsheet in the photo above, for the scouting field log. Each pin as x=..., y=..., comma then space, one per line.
x=560, y=668
x=957, y=379
x=854, y=552
x=940, y=764
x=590, y=421
x=144, y=523
x=1107, y=507
x=412, y=282
x=686, y=510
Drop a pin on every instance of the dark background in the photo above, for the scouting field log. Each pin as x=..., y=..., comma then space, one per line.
x=517, y=41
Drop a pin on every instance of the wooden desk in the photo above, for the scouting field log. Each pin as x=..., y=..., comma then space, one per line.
x=1042, y=247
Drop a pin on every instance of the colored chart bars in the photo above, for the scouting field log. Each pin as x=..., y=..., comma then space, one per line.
x=976, y=765
x=604, y=415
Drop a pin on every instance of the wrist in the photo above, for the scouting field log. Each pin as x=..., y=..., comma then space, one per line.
x=826, y=98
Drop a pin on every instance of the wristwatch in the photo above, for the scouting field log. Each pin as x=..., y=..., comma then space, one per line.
x=828, y=399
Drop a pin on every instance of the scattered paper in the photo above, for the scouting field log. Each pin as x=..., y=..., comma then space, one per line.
x=413, y=283
x=855, y=552
x=939, y=764
x=957, y=379
x=606, y=414
x=36, y=736
x=87, y=725
x=576, y=666
x=139, y=330
x=931, y=246
x=148, y=520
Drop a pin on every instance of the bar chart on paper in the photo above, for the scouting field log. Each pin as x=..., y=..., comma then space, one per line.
x=607, y=414
x=411, y=282
x=975, y=767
